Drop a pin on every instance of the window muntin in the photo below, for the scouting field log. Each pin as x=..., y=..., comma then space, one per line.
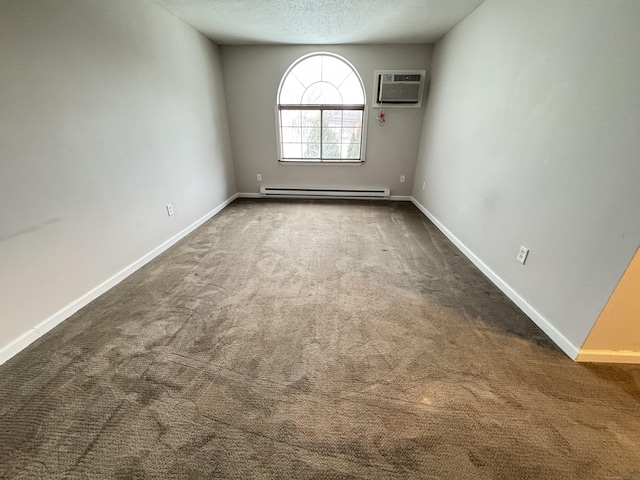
x=321, y=106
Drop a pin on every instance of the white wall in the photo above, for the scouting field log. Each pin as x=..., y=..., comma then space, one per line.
x=531, y=138
x=252, y=75
x=108, y=111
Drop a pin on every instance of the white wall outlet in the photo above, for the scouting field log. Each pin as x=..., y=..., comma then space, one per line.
x=424, y=185
x=169, y=209
x=259, y=177
x=401, y=178
x=522, y=255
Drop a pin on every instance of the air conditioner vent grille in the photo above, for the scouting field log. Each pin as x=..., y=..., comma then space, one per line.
x=401, y=93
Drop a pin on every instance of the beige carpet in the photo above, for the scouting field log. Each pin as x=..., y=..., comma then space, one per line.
x=312, y=340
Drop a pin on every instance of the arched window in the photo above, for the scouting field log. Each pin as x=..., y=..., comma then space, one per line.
x=321, y=104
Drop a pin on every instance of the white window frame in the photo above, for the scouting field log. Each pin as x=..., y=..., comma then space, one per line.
x=363, y=108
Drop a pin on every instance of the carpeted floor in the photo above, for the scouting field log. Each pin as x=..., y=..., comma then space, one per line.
x=312, y=340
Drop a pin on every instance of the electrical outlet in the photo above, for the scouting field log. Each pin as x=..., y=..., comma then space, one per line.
x=401, y=178
x=424, y=185
x=259, y=177
x=522, y=255
x=170, y=209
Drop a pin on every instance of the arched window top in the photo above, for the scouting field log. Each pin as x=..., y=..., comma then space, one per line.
x=321, y=79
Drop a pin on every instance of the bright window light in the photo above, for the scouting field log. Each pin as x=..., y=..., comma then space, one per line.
x=321, y=104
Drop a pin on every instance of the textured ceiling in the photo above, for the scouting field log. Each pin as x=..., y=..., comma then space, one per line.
x=321, y=21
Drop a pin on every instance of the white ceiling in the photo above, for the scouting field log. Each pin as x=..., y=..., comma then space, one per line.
x=230, y=22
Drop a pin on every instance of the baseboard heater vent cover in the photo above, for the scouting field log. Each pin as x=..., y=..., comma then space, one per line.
x=330, y=192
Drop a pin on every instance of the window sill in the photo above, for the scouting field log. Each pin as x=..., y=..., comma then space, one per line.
x=326, y=163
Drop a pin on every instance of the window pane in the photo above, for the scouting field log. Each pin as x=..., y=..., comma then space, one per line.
x=353, y=150
x=291, y=134
x=308, y=71
x=352, y=118
x=316, y=134
x=311, y=150
x=334, y=71
x=331, y=135
x=322, y=93
x=311, y=134
x=292, y=91
x=332, y=118
x=351, y=135
x=291, y=150
x=330, y=150
x=310, y=118
x=351, y=90
x=290, y=118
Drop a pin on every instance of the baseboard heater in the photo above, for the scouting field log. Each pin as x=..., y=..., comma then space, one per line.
x=324, y=192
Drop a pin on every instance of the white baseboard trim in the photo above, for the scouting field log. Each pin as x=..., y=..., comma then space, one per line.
x=547, y=327
x=23, y=341
x=395, y=198
x=249, y=195
x=608, y=356
x=33, y=334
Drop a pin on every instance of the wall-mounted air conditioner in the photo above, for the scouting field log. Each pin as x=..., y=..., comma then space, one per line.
x=399, y=88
